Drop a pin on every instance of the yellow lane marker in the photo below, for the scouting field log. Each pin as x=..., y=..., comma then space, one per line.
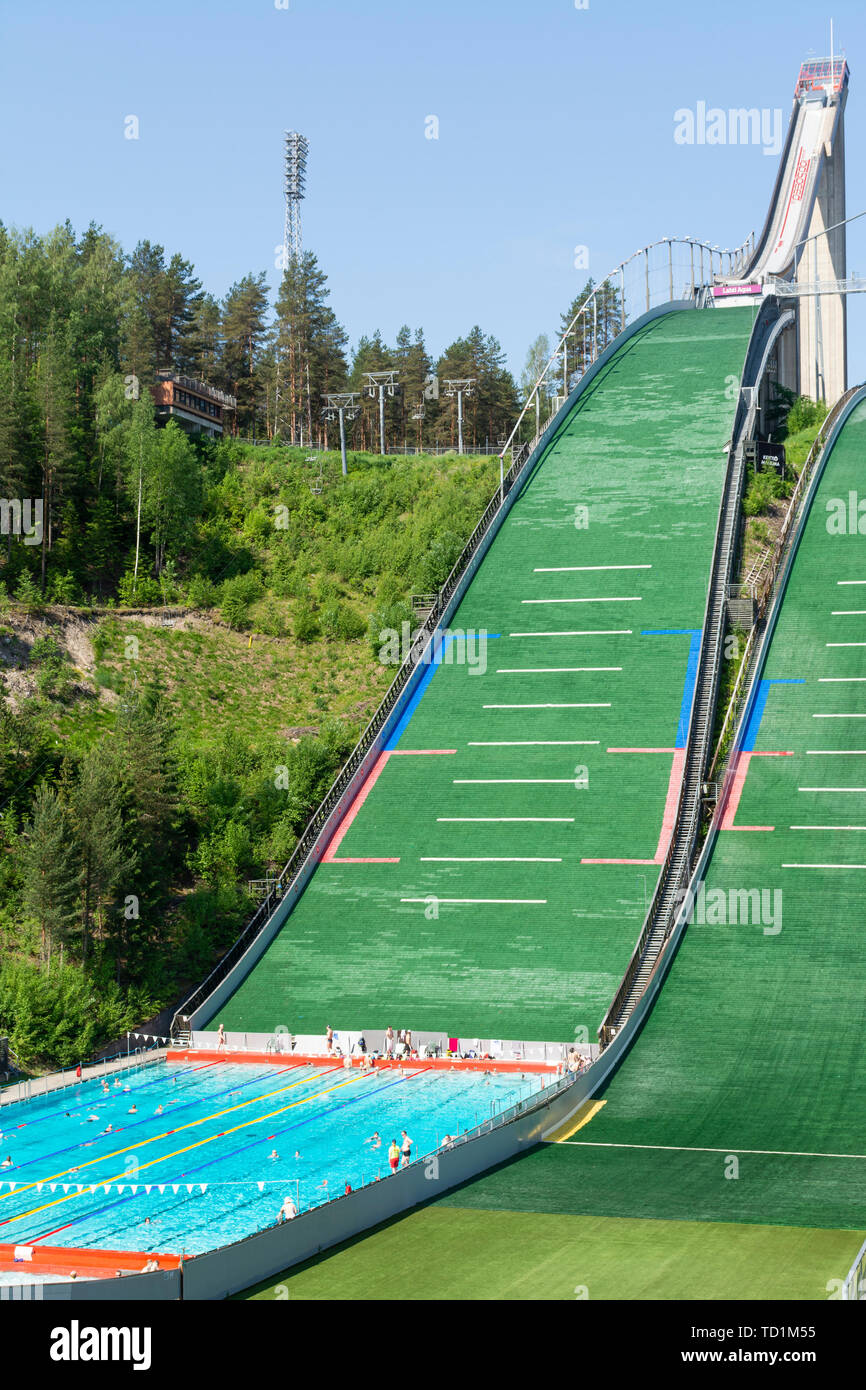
x=581, y=1117
x=259, y=1120
x=142, y=1143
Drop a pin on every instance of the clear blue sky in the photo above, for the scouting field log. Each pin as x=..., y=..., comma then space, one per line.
x=556, y=128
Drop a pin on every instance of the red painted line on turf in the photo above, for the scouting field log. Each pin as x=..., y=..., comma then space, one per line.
x=375, y=773
x=617, y=861
x=671, y=803
x=329, y=857
x=347, y=860
x=740, y=771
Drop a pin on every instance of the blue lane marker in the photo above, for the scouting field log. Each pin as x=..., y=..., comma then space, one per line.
x=757, y=714
x=691, y=673
x=439, y=646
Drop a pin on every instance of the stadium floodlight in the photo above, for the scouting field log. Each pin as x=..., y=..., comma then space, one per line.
x=460, y=388
x=297, y=148
x=377, y=384
x=342, y=404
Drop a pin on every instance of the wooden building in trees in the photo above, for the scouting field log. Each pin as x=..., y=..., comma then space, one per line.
x=197, y=407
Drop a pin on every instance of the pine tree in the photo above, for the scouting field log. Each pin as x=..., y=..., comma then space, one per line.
x=96, y=814
x=309, y=349
x=243, y=331
x=50, y=874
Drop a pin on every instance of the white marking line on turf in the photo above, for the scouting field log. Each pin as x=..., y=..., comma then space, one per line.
x=496, y=820
x=575, y=569
x=589, y=632
x=835, y=752
x=851, y=581
x=824, y=866
x=552, y=670
x=831, y=789
x=508, y=781
x=845, y=644
x=592, y=704
x=827, y=827
x=536, y=743
x=632, y=598
x=839, y=680
x=698, y=1149
x=847, y=612
x=484, y=859
x=474, y=900
x=839, y=716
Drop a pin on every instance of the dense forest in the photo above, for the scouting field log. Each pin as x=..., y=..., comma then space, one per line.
x=146, y=776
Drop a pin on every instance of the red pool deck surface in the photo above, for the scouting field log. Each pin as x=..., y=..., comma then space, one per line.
x=225, y=1054
x=90, y=1264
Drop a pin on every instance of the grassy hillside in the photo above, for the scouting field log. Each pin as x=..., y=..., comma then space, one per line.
x=165, y=724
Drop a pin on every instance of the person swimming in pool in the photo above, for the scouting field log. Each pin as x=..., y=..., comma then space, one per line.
x=273, y=1154
x=374, y=1141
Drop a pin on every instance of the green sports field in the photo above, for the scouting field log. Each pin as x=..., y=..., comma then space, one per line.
x=729, y=1157
x=470, y=893
x=460, y=1254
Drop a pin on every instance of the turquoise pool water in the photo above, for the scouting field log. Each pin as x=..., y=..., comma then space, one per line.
x=212, y=1128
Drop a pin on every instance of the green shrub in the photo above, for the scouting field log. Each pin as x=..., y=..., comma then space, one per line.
x=306, y=624
x=234, y=609
x=341, y=621
x=805, y=414
x=201, y=592
x=27, y=592
x=763, y=489
x=143, y=592
x=269, y=620
x=63, y=588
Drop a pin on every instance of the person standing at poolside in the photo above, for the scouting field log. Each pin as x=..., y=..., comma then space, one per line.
x=405, y=1149
x=393, y=1155
x=329, y=1038
x=389, y=1042
x=221, y=1037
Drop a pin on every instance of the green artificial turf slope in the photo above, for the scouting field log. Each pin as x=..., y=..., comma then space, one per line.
x=541, y=954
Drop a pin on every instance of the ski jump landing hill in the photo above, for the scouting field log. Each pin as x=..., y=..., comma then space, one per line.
x=513, y=819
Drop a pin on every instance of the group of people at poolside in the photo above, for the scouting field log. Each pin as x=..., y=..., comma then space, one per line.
x=399, y=1155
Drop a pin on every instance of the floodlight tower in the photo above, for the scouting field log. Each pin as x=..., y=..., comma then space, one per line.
x=459, y=389
x=295, y=160
x=345, y=405
x=379, y=383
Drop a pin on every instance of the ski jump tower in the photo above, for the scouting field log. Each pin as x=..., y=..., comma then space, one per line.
x=801, y=252
x=822, y=264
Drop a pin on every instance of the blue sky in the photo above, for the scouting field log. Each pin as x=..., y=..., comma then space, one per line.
x=555, y=129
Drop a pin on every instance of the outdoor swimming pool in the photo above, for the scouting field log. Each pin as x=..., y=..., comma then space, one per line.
x=186, y=1165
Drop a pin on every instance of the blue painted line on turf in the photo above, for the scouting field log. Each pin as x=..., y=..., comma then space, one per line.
x=441, y=643
x=757, y=714
x=691, y=673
